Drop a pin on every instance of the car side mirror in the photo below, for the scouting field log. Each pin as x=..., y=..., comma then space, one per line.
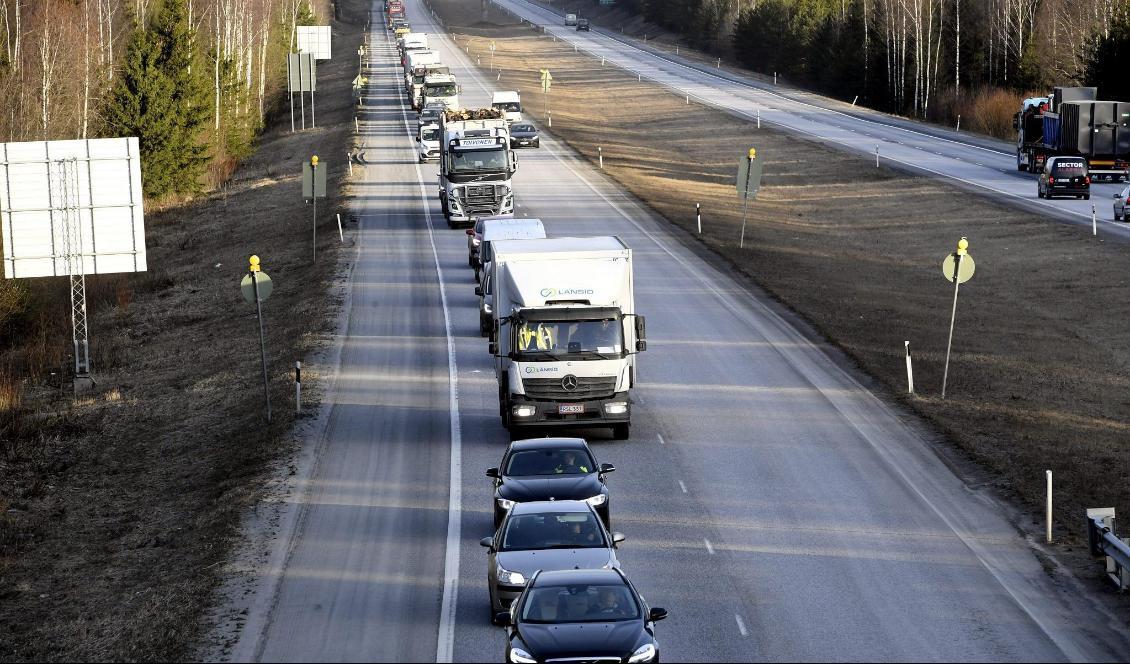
x=479, y=291
x=607, y=468
x=618, y=538
x=657, y=614
x=492, y=348
x=1118, y=195
x=502, y=618
x=487, y=542
x=492, y=472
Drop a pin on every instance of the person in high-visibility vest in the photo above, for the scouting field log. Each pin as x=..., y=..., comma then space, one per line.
x=539, y=338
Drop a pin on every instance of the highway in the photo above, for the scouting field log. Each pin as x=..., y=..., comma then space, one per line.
x=772, y=504
x=985, y=166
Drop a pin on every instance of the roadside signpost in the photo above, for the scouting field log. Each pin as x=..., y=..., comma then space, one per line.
x=748, y=183
x=546, y=84
x=313, y=188
x=958, y=268
x=302, y=77
x=492, y=56
x=72, y=208
x=256, y=287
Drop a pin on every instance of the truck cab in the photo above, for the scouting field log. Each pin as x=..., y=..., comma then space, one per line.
x=565, y=333
x=476, y=167
x=509, y=102
x=441, y=88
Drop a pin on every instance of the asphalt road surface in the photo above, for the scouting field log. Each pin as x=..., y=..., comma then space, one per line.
x=985, y=166
x=772, y=504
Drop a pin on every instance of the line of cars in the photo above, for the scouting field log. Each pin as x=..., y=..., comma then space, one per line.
x=561, y=319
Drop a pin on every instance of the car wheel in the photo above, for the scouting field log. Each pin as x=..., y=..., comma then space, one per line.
x=493, y=621
x=537, y=143
x=622, y=431
x=470, y=261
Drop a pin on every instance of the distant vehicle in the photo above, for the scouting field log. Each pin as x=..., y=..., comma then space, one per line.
x=560, y=613
x=510, y=103
x=1071, y=122
x=524, y=135
x=1064, y=176
x=583, y=24
x=550, y=468
x=570, y=19
x=545, y=535
x=1121, y=202
x=428, y=138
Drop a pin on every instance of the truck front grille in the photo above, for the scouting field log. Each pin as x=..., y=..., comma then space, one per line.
x=481, y=199
x=553, y=390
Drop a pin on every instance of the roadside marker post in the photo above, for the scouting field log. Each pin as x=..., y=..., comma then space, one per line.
x=256, y=287
x=958, y=267
x=1049, y=511
x=1094, y=221
x=600, y=155
x=876, y=156
x=958, y=128
x=759, y=116
x=909, y=370
x=748, y=183
x=297, y=387
x=492, y=56
x=313, y=188
x=698, y=216
x=349, y=160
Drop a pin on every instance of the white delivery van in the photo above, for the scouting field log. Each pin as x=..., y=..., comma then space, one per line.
x=510, y=103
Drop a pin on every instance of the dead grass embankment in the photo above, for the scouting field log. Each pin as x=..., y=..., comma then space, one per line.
x=1040, y=370
x=116, y=510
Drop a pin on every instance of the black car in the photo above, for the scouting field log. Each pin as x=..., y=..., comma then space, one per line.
x=550, y=469
x=524, y=135
x=583, y=24
x=1064, y=176
x=582, y=616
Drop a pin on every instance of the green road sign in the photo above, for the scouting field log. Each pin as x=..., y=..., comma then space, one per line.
x=749, y=174
x=313, y=180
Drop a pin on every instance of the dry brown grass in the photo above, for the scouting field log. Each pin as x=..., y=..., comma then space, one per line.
x=1040, y=373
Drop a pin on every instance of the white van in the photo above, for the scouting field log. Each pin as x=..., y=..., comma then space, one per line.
x=510, y=103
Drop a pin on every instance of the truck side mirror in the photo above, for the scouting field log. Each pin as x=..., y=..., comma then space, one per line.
x=641, y=328
x=479, y=291
x=417, y=139
x=493, y=348
x=513, y=161
x=641, y=345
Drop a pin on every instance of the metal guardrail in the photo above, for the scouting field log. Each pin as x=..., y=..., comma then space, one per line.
x=1103, y=542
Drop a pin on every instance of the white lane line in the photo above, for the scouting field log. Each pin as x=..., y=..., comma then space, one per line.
x=445, y=639
x=660, y=437
x=709, y=546
x=682, y=486
x=741, y=625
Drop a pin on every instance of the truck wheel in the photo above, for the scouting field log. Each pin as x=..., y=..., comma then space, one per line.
x=622, y=431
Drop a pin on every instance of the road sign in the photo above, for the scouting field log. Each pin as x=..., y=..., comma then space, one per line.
x=749, y=174
x=248, y=289
x=302, y=70
x=315, y=39
x=967, y=268
x=546, y=80
x=313, y=179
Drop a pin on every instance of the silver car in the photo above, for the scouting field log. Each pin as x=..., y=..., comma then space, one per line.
x=1121, y=202
x=545, y=535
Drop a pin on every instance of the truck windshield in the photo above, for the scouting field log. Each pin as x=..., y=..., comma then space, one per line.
x=508, y=106
x=445, y=90
x=473, y=161
x=554, y=338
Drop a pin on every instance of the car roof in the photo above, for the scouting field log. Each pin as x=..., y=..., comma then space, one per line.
x=539, y=506
x=568, y=577
x=549, y=444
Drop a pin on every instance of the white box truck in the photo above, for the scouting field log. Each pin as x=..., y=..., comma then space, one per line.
x=441, y=88
x=416, y=89
x=476, y=166
x=417, y=61
x=570, y=19
x=565, y=333
x=510, y=103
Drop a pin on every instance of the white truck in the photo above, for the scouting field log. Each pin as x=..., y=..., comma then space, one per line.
x=417, y=61
x=416, y=89
x=570, y=19
x=510, y=103
x=476, y=166
x=413, y=41
x=428, y=138
x=565, y=333
x=441, y=88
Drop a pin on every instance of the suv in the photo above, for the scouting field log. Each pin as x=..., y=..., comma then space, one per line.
x=1121, y=202
x=1064, y=176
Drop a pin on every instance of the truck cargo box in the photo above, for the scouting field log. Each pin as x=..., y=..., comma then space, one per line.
x=1061, y=95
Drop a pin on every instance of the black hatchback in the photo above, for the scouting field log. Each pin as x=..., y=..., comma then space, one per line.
x=1064, y=176
x=581, y=615
x=549, y=469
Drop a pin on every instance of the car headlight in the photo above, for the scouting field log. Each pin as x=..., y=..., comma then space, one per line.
x=524, y=411
x=616, y=407
x=645, y=653
x=487, y=308
x=519, y=656
x=504, y=504
x=597, y=500
x=508, y=578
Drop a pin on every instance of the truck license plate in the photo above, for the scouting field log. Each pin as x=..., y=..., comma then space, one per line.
x=570, y=409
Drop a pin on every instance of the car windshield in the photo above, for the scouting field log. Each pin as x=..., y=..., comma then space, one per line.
x=431, y=134
x=429, y=115
x=508, y=106
x=580, y=603
x=472, y=161
x=523, y=128
x=526, y=463
x=552, y=530
x=445, y=90
x=575, y=336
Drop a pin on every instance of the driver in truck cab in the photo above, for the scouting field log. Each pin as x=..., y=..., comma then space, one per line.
x=538, y=338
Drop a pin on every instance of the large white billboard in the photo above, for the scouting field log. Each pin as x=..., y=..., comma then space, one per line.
x=315, y=39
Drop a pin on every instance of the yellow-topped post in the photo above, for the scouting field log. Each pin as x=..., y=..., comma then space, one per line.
x=753, y=153
x=314, y=200
x=254, y=264
x=962, y=247
x=962, y=254
x=254, y=270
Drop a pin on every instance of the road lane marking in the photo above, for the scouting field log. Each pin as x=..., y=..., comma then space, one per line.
x=709, y=546
x=682, y=486
x=741, y=625
x=660, y=437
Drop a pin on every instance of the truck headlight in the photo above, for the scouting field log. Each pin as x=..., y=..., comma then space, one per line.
x=475, y=241
x=597, y=500
x=616, y=407
x=519, y=656
x=524, y=411
x=508, y=578
x=504, y=504
x=487, y=308
x=645, y=653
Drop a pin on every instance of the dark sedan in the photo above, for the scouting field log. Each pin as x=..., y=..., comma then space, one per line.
x=524, y=136
x=563, y=534
x=550, y=469
x=581, y=616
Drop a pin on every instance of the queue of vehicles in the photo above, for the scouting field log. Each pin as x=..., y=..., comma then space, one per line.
x=560, y=317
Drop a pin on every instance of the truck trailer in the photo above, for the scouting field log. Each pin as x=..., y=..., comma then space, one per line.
x=565, y=333
x=1071, y=122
